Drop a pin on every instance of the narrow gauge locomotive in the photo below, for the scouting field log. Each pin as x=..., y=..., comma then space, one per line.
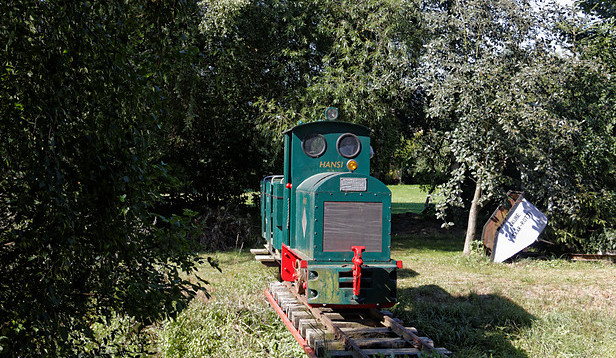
x=327, y=221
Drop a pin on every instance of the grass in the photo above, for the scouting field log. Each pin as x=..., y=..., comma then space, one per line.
x=467, y=304
x=235, y=321
x=528, y=308
x=407, y=198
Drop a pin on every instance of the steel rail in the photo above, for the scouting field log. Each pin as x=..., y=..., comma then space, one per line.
x=298, y=337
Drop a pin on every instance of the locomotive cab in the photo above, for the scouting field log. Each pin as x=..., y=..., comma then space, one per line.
x=330, y=219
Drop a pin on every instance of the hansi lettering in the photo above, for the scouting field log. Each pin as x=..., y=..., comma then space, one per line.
x=331, y=165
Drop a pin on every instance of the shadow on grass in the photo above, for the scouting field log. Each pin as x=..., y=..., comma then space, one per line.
x=470, y=326
x=407, y=273
x=447, y=243
x=400, y=208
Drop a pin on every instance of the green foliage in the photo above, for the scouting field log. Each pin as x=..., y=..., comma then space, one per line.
x=474, y=50
x=79, y=238
x=424, y=159
x=374, y=53
x=120, y=336
x=256, y=68
x=566, y=143
x=223, y=64
x=361, y=55
x=517, y=114
x=602, y=241
x=602, y=8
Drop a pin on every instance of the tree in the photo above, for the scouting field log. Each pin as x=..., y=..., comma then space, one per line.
x=565, y=147
x=517, y=112
x=598, y=31
x=361, y=56
x=581, y=95
x=602, y=8
x=79, y=238
x=243, y=53
x=475, y=49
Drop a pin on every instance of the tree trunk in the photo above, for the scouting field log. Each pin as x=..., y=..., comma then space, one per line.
x=472, y=219
x=428, y=197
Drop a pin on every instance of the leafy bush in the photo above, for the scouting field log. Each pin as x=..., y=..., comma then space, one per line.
x=80, y=176
x=603, y=242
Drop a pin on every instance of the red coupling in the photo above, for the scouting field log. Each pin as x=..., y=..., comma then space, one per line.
x=289, y=185
x=357, y=262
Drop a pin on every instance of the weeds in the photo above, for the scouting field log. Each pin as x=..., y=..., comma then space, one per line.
x=235, y=322
x=224, y=228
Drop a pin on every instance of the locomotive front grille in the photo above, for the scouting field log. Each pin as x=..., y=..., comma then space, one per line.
x=352, y=223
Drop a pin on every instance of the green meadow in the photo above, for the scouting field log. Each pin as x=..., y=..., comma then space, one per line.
x=526, y=308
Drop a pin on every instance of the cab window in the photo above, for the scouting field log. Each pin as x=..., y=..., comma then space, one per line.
x=348, y=145
x=314, y=145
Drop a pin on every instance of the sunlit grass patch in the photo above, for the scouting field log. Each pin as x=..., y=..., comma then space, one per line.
x=528, y=308
x=569, y=332
x=407, y=198
x=236, y=321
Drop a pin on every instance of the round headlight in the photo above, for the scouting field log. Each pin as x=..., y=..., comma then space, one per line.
x=331, y=114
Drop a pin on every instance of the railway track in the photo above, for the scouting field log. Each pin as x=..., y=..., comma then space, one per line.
x=325, y=332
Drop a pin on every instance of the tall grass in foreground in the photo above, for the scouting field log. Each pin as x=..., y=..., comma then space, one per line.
x=475, y=308
x=235, y=322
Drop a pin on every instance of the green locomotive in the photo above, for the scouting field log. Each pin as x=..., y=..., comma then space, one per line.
x=327, y=221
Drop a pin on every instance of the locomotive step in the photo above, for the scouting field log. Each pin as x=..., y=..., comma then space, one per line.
x=259, y=252
x=265, y=258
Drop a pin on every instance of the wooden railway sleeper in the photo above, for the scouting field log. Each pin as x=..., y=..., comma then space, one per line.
x=335, y=333
x=327, y=322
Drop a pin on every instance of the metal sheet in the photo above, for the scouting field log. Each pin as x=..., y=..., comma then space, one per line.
x=521, y=228
x=353, y=184
x=352, y=223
